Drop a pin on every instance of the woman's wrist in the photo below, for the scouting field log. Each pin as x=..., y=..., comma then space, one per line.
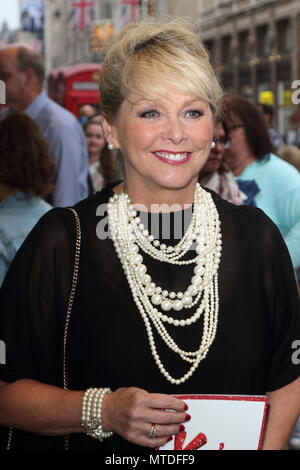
x=91, y=413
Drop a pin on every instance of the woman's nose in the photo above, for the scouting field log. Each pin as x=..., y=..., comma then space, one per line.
x=174, y=131
x=219, y=147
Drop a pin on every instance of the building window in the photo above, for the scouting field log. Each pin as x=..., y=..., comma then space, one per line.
x=227, y=81
x=284, y=34
x=210, y=46
x=263, y=41
x=105, y=9
x=226, y=44
x=244, y=46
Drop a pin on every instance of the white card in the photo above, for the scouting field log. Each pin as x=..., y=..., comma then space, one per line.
x=221, y=422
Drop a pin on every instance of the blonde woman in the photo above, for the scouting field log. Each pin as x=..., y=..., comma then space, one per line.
x=151, y=317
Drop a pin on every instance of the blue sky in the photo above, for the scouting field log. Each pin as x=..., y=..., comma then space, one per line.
x=9, y=11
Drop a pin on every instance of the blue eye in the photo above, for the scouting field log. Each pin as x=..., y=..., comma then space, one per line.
x=194, y=113
x=151, y=113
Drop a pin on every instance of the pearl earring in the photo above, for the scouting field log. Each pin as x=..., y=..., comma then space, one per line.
x=111, y=146
x=213, y=144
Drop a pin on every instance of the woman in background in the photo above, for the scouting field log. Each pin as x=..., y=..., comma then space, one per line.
x=216, y=174
x=26, y=171
x=102, y=169
x=269, y=183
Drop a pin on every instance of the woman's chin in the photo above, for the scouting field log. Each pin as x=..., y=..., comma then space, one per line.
x=175, y=183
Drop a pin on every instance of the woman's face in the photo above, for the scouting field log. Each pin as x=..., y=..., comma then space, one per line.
x=165, y=140
x=94, y=139
x=237, y=154
x=217, y=153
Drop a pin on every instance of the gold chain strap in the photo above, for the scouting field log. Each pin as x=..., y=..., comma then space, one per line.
x=10, y=435
x=68, y=316
x=70, y=305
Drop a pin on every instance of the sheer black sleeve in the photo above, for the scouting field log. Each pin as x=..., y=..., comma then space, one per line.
x=284, y=307
x=33, y=300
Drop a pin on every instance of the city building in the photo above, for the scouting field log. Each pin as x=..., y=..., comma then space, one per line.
x=255, y=48
x=254, y=44
x=73, y=29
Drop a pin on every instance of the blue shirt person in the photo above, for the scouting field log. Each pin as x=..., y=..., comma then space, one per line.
x=278, y=195
x=22, y=71
x=18, y=215
x=67, y=147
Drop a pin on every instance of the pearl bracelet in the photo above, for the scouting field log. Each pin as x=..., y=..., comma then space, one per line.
x=91, y=413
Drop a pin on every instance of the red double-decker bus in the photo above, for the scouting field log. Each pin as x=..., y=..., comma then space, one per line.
x=74, y=85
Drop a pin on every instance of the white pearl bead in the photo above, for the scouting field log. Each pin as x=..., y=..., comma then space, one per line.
x=199, y=270
x=196, y=280
x=141, y=269
x=178, y=305
x=146, y=279
x=187, y=300
x=150, y=289
x=166, y=305
x=138, y=259
x=156, y=299
x=192, y=290
x=199, y=249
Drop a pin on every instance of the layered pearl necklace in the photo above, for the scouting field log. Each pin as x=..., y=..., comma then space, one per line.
x=130, y=237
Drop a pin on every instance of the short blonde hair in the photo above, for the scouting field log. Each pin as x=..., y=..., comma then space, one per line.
x=155, y=55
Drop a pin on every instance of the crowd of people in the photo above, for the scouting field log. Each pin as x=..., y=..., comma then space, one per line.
x=165, y=133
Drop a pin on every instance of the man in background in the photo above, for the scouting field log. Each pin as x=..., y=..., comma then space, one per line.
x=22, y=70
x=85, y=113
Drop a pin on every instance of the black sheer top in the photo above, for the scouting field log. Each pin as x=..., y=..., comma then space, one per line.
x=259, y=317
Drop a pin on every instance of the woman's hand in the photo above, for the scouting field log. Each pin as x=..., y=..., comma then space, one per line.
x=131, y=412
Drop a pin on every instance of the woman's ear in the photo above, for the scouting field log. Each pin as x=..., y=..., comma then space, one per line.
x=109, y=132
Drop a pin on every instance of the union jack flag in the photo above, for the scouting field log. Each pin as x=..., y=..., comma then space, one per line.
x=81, y=14
x=129, y=11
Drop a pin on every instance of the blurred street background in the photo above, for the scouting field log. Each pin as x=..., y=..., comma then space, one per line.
x=254, y=47
x=254, y=44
